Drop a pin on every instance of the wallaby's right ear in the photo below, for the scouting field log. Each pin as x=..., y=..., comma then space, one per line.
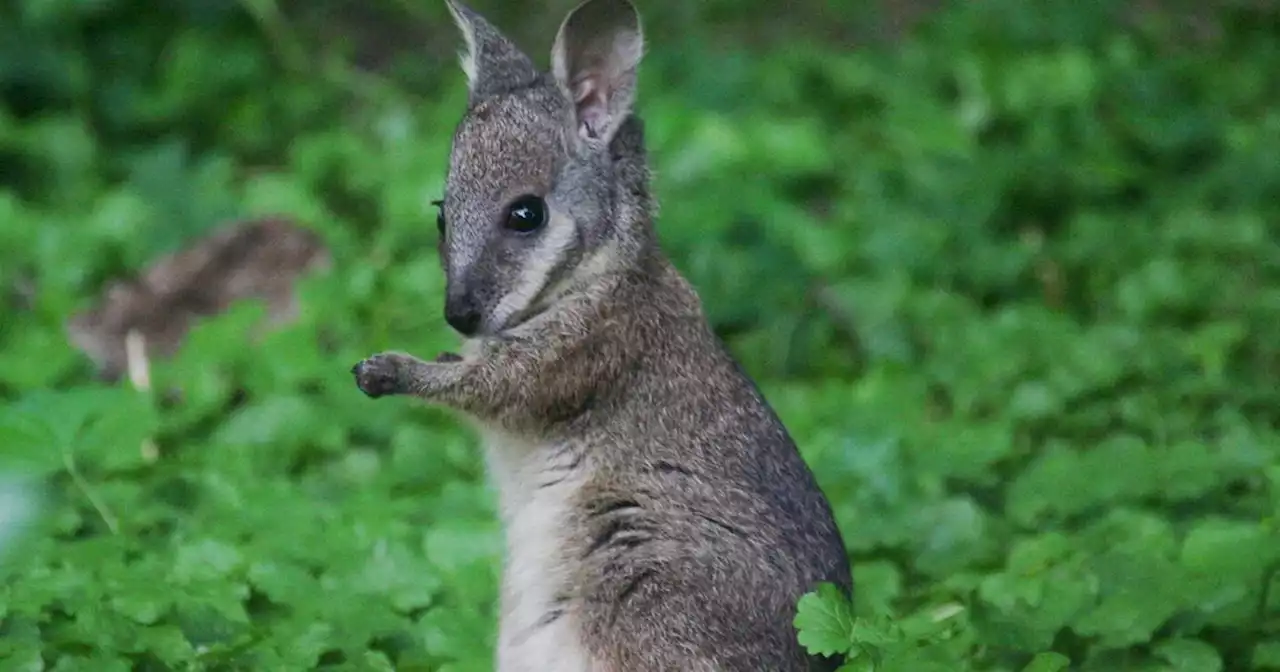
x=493, y=64
x=595, y=58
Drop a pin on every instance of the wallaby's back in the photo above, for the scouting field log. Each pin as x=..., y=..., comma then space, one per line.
x=703, y=526
x=657, y=515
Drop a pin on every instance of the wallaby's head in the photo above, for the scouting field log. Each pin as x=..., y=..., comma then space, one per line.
x=546, y=175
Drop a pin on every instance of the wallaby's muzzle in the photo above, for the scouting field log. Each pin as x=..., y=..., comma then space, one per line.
x=463, y=313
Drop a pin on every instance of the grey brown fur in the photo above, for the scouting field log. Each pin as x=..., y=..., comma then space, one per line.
x=658, y=516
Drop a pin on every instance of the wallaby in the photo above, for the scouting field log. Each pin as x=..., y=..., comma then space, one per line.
x=657, y=513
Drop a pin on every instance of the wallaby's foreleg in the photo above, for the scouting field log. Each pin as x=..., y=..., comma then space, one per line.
x=397, y=373
x=491, y=377
x=474, y=383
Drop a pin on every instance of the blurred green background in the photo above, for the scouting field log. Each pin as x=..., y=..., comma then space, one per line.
x=1009, y=271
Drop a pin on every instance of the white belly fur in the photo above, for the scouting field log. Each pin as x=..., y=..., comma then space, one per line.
x=534, y=521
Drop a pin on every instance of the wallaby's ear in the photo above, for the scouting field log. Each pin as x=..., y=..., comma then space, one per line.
x=595, y=58
x=493, y=64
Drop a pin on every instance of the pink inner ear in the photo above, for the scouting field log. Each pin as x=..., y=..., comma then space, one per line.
x=589, y=96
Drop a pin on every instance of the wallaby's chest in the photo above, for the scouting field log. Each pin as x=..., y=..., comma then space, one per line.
x=536, y=483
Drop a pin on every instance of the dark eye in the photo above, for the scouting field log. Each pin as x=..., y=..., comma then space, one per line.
x=527, y=214
x=439, y=216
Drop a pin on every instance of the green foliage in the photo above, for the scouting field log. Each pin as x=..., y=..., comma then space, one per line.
x=1013, y=283
x=825, y=621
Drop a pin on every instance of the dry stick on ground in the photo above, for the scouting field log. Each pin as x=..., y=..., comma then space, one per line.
x=139, y=367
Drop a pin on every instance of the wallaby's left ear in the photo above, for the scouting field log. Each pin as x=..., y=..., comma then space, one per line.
x=595, y=58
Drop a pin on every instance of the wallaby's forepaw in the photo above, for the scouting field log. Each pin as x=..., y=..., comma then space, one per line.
x=385, y=374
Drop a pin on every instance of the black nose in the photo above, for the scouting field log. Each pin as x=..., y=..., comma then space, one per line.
x=462, y=314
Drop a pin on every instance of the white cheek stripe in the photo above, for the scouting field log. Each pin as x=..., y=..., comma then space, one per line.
x=549, y=254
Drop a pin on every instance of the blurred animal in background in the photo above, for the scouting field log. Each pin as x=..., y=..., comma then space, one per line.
x=149, y=316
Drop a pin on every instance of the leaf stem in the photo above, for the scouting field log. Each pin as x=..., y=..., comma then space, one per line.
x=100, y=506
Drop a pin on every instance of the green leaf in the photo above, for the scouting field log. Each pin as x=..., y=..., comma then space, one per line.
x=1226, y=561
x=1229, y=550
x=205, y=559
x=105, y=662
x=859, y=664
x=30, y=446
x=167, y=643
x=874, y=633
x=21, y=655
x=1048, y=662
x=113, y=440
x=42, y=428
x=824, y=619
x=1188, y=655
x=1266, y=656
x=878, y=584
x=377, y=661
x=931, y=623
